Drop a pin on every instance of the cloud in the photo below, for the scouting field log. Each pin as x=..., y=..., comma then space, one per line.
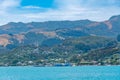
x=8, y=4
x=13, y=11
x=77, y=9
x=101, y=3
x=31, y=7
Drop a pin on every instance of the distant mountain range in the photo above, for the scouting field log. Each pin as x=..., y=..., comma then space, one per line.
x=106, y=28
x=72, y=41
x=13, y=34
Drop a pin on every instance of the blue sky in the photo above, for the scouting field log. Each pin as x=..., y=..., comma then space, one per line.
x=41, y=3
x=51, y=10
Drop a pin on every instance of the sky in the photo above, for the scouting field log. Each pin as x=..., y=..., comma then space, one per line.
x=57, y=10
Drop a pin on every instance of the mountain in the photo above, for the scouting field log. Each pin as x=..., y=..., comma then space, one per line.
x=106, y=28
x=22, y=32
x=20, y=27
x=79, y=42
x=72, y=50
x=54, y=32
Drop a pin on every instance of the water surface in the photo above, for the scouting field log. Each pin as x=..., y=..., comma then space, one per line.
x=60, y=73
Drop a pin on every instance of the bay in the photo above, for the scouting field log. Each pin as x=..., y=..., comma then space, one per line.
x=61, y=73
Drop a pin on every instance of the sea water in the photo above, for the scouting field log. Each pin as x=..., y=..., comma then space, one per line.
x=61, y=73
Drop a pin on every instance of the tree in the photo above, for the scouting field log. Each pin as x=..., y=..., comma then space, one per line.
x=118, y=38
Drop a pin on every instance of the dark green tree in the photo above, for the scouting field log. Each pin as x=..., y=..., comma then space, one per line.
x=118, y=38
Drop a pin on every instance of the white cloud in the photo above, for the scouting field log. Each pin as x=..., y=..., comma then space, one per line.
x=8, y=4
x=74, y=10
x=65, y=10
x=31, y=7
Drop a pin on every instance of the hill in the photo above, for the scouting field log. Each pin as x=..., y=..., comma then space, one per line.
x=73, y=50
x=77, y=42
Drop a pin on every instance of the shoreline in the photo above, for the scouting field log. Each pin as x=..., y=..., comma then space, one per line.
x=64, y=66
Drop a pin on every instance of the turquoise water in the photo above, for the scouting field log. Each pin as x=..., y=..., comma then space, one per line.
x=60, y=73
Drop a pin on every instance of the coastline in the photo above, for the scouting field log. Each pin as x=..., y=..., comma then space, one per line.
x=63, y=66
